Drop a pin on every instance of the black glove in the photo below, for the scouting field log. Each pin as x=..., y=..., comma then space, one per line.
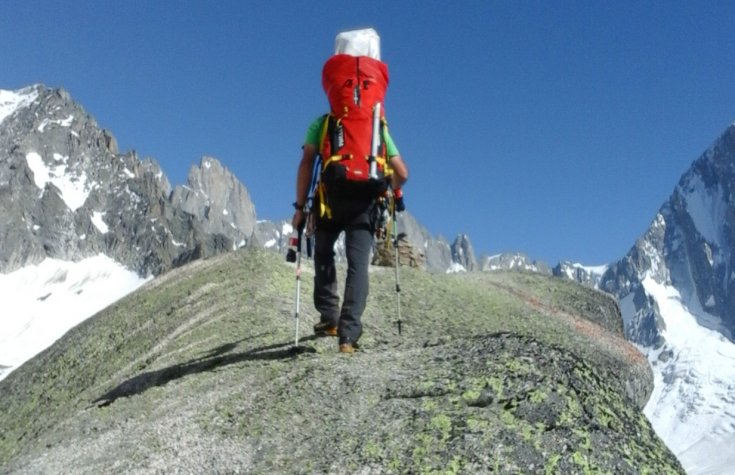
x=400, y=205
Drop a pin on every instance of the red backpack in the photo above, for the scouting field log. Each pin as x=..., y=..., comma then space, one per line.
x=354, y=85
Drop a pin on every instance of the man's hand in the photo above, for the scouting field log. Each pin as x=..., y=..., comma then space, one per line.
x=400, y=205
x=298, y=219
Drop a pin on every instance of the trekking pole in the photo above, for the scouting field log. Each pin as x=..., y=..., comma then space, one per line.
x=315, y=177
x=396, y=260
x=297, y=257
x=375, y=144
x=300, y=234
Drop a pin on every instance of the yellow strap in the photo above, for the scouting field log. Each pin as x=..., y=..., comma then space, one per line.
x=323, y=132
x=332, y=159
x=387, y=169
x=324, y=209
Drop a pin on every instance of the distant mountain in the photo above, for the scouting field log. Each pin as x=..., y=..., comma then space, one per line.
x=585, y=275
x=66, y=192
x=513, y=261
x=676, y=286
x=463, y=253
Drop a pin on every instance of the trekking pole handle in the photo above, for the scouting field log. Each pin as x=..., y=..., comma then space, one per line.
x=376, y=142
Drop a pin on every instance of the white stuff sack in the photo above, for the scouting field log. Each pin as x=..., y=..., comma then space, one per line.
x=364, y=42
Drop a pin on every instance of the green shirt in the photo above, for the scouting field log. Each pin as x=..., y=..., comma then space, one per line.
x=314, y=130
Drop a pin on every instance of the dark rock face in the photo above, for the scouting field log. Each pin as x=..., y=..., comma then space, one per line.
x=463, y=253
x=216, y=198
x=386, y=253
x=66, y=192
x=436, y=250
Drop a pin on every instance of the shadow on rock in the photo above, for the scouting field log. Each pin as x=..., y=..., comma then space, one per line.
x=215, y=358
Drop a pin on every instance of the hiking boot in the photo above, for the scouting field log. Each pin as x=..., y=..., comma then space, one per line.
x=347, y=348
x=325, y=329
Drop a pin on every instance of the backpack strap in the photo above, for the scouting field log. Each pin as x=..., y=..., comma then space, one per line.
x=327, y=137
x=324, y=208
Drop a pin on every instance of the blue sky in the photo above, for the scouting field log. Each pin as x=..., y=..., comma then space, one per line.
x=551, y=128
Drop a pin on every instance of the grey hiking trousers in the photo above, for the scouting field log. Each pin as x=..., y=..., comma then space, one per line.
x=357, y=220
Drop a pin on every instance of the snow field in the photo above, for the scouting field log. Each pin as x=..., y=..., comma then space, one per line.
x=42, y=302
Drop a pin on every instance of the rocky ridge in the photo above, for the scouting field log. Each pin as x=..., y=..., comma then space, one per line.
x=494, y=372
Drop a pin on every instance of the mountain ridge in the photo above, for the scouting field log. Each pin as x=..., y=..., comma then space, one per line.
x=47, y=140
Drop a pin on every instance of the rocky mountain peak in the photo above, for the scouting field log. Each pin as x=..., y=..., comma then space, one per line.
x=690, y=244
x=463, y=253
x=66, y=192
x=214, y=196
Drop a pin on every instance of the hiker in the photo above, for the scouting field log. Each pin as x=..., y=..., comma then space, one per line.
x=345, y=205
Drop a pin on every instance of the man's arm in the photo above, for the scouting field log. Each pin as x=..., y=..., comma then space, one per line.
x=303, y=180
x=400, y=172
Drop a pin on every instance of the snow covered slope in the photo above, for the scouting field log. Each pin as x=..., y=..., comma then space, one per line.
x=11, y=101
x=692, y=407
x=42, y=302
x=676, y=287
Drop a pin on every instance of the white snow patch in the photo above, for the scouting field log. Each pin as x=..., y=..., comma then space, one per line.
x=60, y=122
x=692, y=407
x=42, y=302
x=456, y=267
x=40, y=172
x=287, y=229
x=270, y=243
x=73, y=189
x=593, y=270
x=11, y=101
x=128, y=173
x=99, y=223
